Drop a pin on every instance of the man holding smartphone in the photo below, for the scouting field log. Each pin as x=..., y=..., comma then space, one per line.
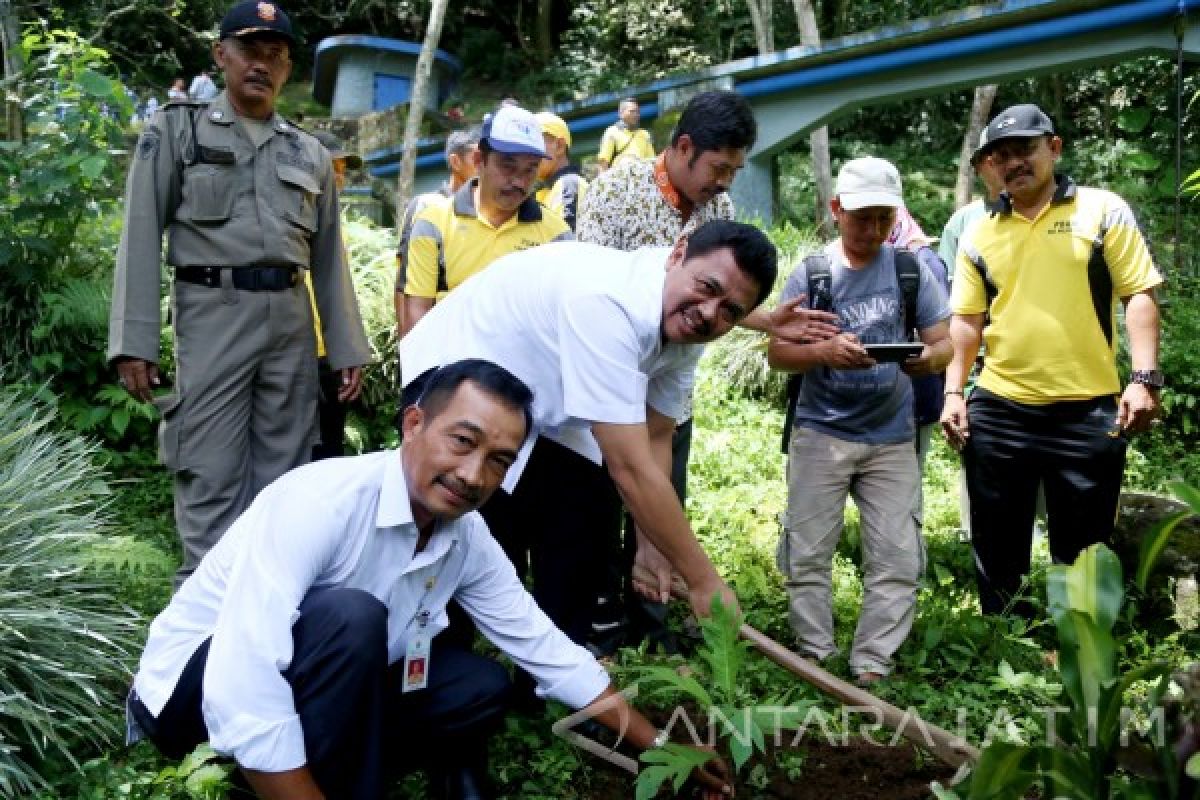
x=853, y=426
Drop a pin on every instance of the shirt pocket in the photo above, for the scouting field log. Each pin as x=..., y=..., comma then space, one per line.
x=208, y=193
x=300, y=191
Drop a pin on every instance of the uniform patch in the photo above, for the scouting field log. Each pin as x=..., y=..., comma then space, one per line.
x=296, y=160
x=266, y=12
x=148, y=145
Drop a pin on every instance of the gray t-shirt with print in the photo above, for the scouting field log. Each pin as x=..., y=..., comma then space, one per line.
x=875, y=405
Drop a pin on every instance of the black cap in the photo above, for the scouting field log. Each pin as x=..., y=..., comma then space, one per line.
x=334, y=145
x=257, y=16
x=981, y=150
x=1017, y=122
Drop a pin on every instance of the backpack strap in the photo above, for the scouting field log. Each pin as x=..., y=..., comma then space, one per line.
x=908, y=278
x=820, y=296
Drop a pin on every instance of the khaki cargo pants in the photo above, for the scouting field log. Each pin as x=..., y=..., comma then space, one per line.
x=244, y=407
x=884, y=482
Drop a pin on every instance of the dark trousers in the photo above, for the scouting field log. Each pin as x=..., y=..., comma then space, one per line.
x=357, y=723
x=331, y=414
x=642, y=619
x=1073, y=449
x=554, y=527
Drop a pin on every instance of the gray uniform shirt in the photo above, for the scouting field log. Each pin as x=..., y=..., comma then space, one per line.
x=875, y=405
x=225, y=201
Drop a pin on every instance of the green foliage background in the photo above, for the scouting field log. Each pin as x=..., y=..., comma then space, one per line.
x=60, y=196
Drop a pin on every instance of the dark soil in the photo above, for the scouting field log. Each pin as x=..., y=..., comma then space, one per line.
x=855, y=770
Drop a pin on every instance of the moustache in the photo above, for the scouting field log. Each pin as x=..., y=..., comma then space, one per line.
x=468, y=493
x=1016, y=173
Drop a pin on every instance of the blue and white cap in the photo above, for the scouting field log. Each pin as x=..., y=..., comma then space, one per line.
x=515, y=131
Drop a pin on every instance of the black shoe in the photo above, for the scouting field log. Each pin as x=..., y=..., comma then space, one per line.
x=461, y=783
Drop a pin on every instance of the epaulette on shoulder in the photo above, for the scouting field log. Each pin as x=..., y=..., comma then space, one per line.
x=292, y=123
x=181, y=104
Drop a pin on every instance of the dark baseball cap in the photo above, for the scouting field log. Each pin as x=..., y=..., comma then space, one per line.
x=1016, y=122
x=334, y=145
x=981, y=150
x=257, y=16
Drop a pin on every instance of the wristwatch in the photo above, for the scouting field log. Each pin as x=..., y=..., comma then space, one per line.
x=1150, y=378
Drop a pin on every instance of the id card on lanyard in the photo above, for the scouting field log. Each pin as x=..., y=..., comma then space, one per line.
x=417, y=651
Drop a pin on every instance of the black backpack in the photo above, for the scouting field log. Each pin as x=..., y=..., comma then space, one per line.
x=820, y=297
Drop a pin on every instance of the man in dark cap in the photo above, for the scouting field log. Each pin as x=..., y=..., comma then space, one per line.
x=248, y=204
x=331, y=411
x=1037, y=280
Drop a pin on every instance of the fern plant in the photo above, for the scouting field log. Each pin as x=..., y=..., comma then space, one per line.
x=738, y=721
x=65, y=640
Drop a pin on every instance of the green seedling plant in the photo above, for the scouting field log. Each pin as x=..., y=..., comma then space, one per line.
x=737, y=723
x=1090, y=736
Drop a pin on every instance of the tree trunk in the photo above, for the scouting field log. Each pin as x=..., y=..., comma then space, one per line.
x=416, y=106
x=762, y=17
x=818, y=140
x=543, y=37
x=981, y=106
x=10, y=41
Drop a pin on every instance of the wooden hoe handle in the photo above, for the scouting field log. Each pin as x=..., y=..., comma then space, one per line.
x=950, y=749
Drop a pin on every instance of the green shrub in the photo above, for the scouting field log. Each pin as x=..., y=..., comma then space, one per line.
x=371, y=252
x=1180, y=359
x=65, y=640
x=57, y=182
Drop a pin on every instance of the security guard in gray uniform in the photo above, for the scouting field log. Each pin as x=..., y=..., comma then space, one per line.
x=248, y=203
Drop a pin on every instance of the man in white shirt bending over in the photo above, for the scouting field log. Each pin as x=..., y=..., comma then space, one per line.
x=608, y=341
x=304, y=644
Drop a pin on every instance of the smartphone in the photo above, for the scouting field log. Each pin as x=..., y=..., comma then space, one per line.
x=900, y=351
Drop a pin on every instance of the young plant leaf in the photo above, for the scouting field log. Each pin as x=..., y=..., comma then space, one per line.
x=1186, y=493
x=1153, y=543
x=723, y=652
x=665, y=680
x=671, y=762
x=1092, y=586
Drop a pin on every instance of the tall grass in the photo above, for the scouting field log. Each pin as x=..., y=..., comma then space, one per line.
x=741, y=355
x=66, y=642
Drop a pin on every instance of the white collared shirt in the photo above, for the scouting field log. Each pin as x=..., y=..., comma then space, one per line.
x=580, y=324
x=343, y=522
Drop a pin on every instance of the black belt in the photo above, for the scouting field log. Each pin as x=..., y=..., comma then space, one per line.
x=252, y=279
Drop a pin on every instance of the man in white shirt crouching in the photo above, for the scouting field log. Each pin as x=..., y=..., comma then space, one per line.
x=304, y=644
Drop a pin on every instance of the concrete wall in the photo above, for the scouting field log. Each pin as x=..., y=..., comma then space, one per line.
x=354, y=91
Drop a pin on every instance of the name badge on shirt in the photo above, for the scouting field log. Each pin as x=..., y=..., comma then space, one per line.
x=416, y=659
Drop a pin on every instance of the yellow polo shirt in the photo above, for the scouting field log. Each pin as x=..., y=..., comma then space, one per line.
x=1044, y=343
x=619, y=143
x=450, y=241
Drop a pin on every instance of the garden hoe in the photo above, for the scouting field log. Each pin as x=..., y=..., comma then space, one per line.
x=947, y=747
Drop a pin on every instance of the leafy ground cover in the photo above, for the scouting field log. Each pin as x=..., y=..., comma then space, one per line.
x=961, y=672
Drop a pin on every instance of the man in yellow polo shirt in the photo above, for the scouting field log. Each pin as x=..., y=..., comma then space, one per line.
x=492, y=215
x=1037, y=280
x=625, y=140
x=562, y=185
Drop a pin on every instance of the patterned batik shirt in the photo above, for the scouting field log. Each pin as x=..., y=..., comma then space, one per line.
x=634, y=205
